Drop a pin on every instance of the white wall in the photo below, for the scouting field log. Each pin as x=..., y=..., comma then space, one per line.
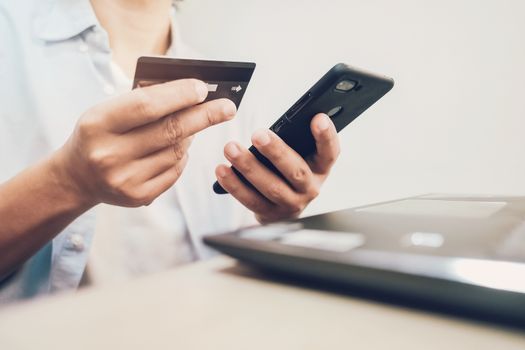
x=454, y=122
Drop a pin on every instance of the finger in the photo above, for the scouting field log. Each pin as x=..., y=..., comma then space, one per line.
x=161, y=183
x=265, y=181
x=247, y=196
x=289, y=163
x=148, y=104
x=156, y=163
x=326, y=142
x=169, y=130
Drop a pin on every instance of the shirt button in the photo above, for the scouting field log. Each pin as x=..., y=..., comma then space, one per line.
x=77, y=242
x=83, y=47
x=109, y=90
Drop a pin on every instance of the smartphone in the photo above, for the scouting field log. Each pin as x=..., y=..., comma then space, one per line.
x=343, y=93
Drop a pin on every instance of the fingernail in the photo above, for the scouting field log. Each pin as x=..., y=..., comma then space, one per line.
x=324, y=123
x=261, y=138
x=232, y=150
x=229, y=109
x=221, y=172
x=202, y=90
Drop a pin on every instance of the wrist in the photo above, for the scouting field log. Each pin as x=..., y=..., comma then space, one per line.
x=68, y=182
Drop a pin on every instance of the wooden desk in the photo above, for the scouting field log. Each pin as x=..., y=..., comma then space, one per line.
x=215, y=305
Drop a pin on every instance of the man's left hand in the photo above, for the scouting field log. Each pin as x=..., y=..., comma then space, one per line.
x=274, y=198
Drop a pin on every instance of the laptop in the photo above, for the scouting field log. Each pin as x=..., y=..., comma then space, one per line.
x=464, y=254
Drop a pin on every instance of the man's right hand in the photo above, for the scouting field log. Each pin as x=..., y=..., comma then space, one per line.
x=131, y=149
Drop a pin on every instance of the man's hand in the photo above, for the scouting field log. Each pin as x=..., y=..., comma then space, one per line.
x=275, y=198
x=129, y=150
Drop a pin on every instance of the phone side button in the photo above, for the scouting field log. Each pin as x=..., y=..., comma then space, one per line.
x=278, y=125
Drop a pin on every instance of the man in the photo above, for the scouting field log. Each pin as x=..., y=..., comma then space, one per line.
x=125, y=151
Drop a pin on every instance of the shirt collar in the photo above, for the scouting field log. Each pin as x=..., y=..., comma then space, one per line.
x=64, y=19
x=176, y=41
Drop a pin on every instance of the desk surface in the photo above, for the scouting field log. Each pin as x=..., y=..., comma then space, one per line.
x=218, y=305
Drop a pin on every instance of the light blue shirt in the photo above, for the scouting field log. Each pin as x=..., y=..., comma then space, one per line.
x=25, y=139
x=55, y=64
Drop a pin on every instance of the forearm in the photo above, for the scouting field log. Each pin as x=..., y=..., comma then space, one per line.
x=35, y=206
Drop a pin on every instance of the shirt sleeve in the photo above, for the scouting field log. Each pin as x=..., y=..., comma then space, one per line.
x=6, y=38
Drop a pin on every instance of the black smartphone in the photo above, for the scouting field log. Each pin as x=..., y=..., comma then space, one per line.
x=343, y=93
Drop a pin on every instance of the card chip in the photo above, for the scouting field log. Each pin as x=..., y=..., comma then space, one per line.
x=212, y=87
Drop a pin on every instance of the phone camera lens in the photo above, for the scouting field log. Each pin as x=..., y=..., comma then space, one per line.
x=345, y=85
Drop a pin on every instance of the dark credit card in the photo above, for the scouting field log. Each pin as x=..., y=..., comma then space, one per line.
x=224, y=79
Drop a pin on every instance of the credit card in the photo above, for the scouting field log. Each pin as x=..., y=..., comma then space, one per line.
x=224, y=79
